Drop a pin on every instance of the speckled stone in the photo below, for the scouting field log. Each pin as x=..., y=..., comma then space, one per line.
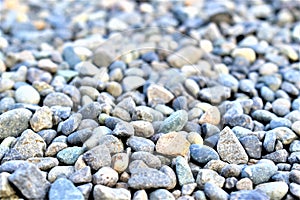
x=213, y=191
x=140, y=144
x=275, y=190
x=58, y=99
x=69, y=155
x=175, y=122
x=230, y=149
x=123, y=129
x=207, y=175
x=41, y=119
x=158, y=94
x=183, y=171
x=248, y=194
x=106, y=176
x=143, y=128
x=203, y=154
x=44, y=163
x=63, y=188
x=60, y=171
x=150, y=159
x=161, y=194
x=105, y=193
x=97, y=157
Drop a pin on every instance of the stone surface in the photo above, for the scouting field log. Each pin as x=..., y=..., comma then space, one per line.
x=6, y=189
x=183, y=171
x=158, y=94
x=185, y=56
x=106, y=193
x=230, y=149
x=41, y=119
x=161, y=194
x=207, y=175
x=58, y=99
x=97, y=157
x=212, y=191
x=175, y=122
x=27, y=94
x=203, y=154
x=62, y=188
x=69, y=155
x=106, y=176
x=275, y=190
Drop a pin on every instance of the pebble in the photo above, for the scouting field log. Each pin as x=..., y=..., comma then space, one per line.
x=27, y=94
x=60, y=171
x=252, y=145
x=140, y=195
x=209, y=176
x=142, y=128
x=212, y=191
x=185, y=56
x=295, y=146
x=173, y=144
x=279, y=156
x=230, y=149
x=275, y=190
x=97, y=157
x=113, y=144
x=229, y=81
x=281, y=106
x=106, y=193
x=247, y=53
x=131, y=83
x=268, y=68
x=161, y=194
x=280, y=122
x=284, y=134
x=146, y=178
x=175, y=122
x=295, y=189
x=296, y=127
x=231, y=170
x=158, y=94
x=248, y=194
x=150, y=159
x=140, y=144
x=106, y=176
x=57, y=99
x=30, y=181
x=123, y=129
x=63, y=188
x=69, y=155
x=71, y=124
x=70, y=56
x=6, y=190
x=90, y=111
x=263, y=116
x=203, y=154
x=212, y=116
x=260, y=172
x=183, y=171
x=54, y=148
x=47, y=65
x=215, y=94
x=41, y=119
x=14, y=122
x=44, y=163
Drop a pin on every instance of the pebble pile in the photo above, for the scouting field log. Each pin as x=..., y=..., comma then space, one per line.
x=159, y=100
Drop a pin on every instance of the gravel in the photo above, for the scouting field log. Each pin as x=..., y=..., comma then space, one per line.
x=149, y=100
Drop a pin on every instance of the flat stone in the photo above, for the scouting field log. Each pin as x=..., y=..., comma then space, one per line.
x=260, y=173
x=285, y=135
x=173, y=144
x=131, y=83
x=12, y=165
x=47, y=65
x=97, y=157
x=207, y=175
x=230, y=149
x=41, y=119
x=215, y=94
x=252, y=145
x=14, y=122
x=183, y=171
x=158, y=94
x=27, y=94
x=114, y=144
x=123, y=129
x=106, y=176
x=71, y=124
x=212, y=116
x=44, y=163
x=175, y=122
x=280, y=122
x=263, y=116
x=30, y=181
x=185, y=56
x=63, y=188
x=279, y=156
x=203, y=154
x=106, y=193
x=54, y=148
x=275, y=190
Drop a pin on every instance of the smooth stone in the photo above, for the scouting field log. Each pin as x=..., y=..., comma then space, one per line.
x=295, y=146
x=281, y=106
x=296, y=127
x=185, y=56
x=54, y=148
x=70, y=56
x=60, y=171
x=106, y=193
x=27, y=94
x=30, y=181
x=131, y=83
x=106, y=176
x=173, y=144
x=268, y=68
x=295, y=189
x=275, y=190
x=149, y=159
x=203, y=154
x=14, y=122
x=6, y=190
x=247, y=53
x=212, y=116
x=140, y=195
x=280, y=122
x=231, y=170
x=183, y=171
x=263, y=116
x=57, y=99
x=123, y=129
x=215, y=94
x=213, y=191
x=47, y=65
x=63, y=188
x=249, y=194
x=285, y=135
x=175, y=122
x=229, y=81
x=252, y=145
x=140, y=144
x=158, y=94
x=230, y=149
x=142, y=128
x=44, y=163
x=90, y=110
x=71, y=124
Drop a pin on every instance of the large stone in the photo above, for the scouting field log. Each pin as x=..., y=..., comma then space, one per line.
x=6, y=189
x=275, y=190
x=230, y=149
x=14, y=122
x=203, y=154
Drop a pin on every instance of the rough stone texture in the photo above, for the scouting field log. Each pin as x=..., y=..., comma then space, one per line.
x=158, y=94
x=71, y=124
x=58, y=99
x=62, y=188
x=41, y=119
x=212, y=116
x=123, y=129
x=208, y=175
x=275, y=190
x=175, y=122
x=44, y=163
x=106, y=176
x=203, y=154
x=30, y=181
x=172, y=144
x=69, y=155
x=230, y=149
x=97, y=157
x=106, y=193
x=14, y=122
x=142, y=128
x=161, y=194
x=60, y=171
x=150, y=159
x=248, y=194
x=183, y=171
x=212, y=191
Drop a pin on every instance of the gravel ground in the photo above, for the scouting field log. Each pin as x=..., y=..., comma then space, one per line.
x=158, y=100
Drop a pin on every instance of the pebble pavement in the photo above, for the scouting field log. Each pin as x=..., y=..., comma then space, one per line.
x=187, y=100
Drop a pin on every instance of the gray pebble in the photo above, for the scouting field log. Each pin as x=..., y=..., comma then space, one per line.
x=71, y=124
x=90, y=111
x=105, y=193
x=161, y=194
x=231, y=170
x=295, y=189
x=69, y=155
x=114, y=144
x=123, y=129
x=295, y=146
x=212, y=191
x=208, y=175
x=97, y=157
x=131, y=83
x=140, y=144
x=106, y=176
x=44, y=163
x=249, y=194
x=263, y=116
x=275, y=190
x=267, y=94
x=279, y=156
x=175, y=122
x=63, y=188
x=290, y=88
x=60, y=171
x=58, y=99
x=281, y=106
x=80, y=136
x=142, y=128
x=27, y=94
x=280, y=122
x=215, y=95
x=150, y=159
x=252, y=145
x=183, y=171
x=203, y=154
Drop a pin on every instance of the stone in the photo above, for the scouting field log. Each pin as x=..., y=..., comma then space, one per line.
x=142, y=128
x=294, y=176
x=212, y=116
x=60, y=171
x=106, y=176
x=63, y=188
x=230, y=149
x=54, y=148
x=97, y=157
x=140, y=195
x=249, y=194
x=281, y=106
x=296, y=127
x=6, y=190
x=175, y=122
x=41, y=119
x=252, y=145
x=269, y=141
x=85, y=189
x=259, y=173
x=229, y=81
x=183, y=171
x=244, y=184
x=28, y=145
x=90, y=111
x=140, y=144
x=295, y=189
x=207, y=175
x=14, y=122
x=57, y=99
x=131, y=83
x=279, y=156
x=185, y=56
x=150, y=159
x=215, y=94
x=263, y=116
x=70, y=56
x=212, y=191
x=123, y=129
x=69, y=155
x=158, y=94
x=192, y=87
x=275, y=190
x=113, y=144
x=231, y=170
x=27, y=94
x=285, y=135
x=295, y=146
x=12, y=165
x=30, y=181
x=247, y=53
x=44, y=163
x=71, y=124
x=203, y=154
x=146, y=178
x=105, y=193
x=47, y=65
x=280, y=122
x=161, y=194
x=173, y=144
